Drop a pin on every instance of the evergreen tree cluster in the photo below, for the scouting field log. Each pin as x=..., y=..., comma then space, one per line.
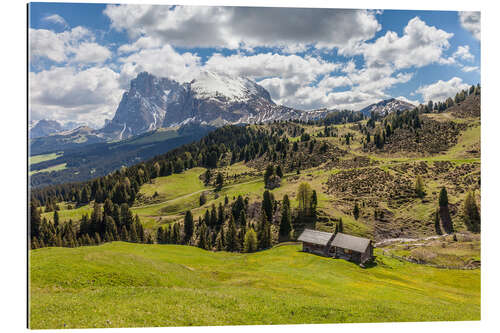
x=108, y=222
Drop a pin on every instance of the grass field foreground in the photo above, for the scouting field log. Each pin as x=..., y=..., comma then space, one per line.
x=135, y=285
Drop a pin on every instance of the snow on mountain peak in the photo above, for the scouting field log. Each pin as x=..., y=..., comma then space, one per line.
x=213, y=85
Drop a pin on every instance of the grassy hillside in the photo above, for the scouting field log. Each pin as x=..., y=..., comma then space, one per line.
x=121, y=284
x=379, y=181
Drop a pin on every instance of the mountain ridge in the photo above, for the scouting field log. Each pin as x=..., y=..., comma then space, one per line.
x=386, y=106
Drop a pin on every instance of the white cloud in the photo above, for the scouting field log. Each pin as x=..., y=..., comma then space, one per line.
x=90, y=52
x=46, y=43
x=471, y=21
x=56, y=19
x=271, y=65
x=420, y=45
x=440, y=90
x=245, y=27
x=141, y=43
x=76, y=44
x=463, y=52
x=470, y=68
x=415, y=102
x=68, y=94
x=162, y=62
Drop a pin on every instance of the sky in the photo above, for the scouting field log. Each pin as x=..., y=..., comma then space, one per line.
x=83, y=56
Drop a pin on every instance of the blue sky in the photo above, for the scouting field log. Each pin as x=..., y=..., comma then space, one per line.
x=83, y=56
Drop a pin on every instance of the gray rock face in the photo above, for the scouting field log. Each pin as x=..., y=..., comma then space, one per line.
x=387, y=106
x=211, y=98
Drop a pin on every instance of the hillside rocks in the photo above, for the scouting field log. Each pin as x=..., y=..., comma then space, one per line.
x=432, y=138
x=373, y=184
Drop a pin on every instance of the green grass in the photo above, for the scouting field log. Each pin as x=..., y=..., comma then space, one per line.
x=57, y=167
x=161, y=134
x=131, y=285
x=42, y=158
x=67, y=214
x=175, y=185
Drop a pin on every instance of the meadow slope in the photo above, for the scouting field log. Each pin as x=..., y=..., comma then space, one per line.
x=136, y=285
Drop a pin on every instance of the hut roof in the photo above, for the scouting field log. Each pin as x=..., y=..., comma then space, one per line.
x=315, y=237
x=349, y=242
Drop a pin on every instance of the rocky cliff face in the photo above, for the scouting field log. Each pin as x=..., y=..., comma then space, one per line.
x=211, y=98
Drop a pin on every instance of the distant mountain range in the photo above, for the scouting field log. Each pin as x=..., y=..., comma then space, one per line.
x=212, y=99
x=153, y=105
x=387, y=106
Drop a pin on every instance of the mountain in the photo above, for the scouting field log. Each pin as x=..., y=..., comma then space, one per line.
x=64, y=140
x=211, y=98
x=387, y=106
x=44, y=127
x=82, y=162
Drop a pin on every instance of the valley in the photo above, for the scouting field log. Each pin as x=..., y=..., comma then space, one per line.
x=176, y=227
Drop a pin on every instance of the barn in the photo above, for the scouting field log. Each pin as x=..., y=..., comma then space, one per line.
x=340, y=245
x=352, y=248
x=317, y=242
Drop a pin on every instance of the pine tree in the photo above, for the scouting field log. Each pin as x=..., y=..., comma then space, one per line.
x=219, y=182
x=269, y=172
x=133, y=233
x=279, y=171
x=175, y=237
x=286, y=218
x=267, y=205
x=159, y=235
x=219, y=241
x=242, y=220
x=188, y=226
x=437, y=225
x=304, y=198
x=124, y=234
x=355, y=211
x=84, y=196
x=97, y=239
x=141, y=237
x=340, y=226
x=34, y=243
x=250, y=242
x=314, y=203
x=126, y=216
x=203, y=241
x=203, y=198
x=35, y=221
x=471, y=214
x=108, y=207
x=264, y=231
x=419, y=187
x=56, y=219
x=220, y=216
x=111, y=229
x=444, y=211
x=231, y=236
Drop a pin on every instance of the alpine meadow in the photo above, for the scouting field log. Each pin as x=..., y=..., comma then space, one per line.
x=278, y=166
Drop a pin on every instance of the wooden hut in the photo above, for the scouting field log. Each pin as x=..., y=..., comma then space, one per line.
x=317, y=242
x=352, y=248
